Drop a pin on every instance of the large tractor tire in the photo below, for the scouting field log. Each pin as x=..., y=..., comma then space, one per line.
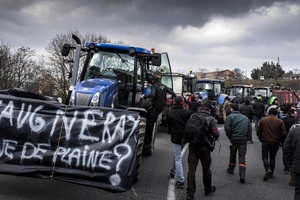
x=148, y=149
x=220, y=117
x=138, y=161
x=140, y=145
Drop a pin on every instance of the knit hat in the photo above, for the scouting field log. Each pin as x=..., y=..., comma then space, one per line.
x=179, y=100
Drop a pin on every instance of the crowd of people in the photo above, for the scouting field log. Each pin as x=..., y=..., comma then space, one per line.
x=272, y=129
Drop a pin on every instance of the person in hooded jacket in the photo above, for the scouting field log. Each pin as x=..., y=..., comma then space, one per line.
x=177, y=118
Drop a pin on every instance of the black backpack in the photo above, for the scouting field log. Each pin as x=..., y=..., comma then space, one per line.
x=196, y=129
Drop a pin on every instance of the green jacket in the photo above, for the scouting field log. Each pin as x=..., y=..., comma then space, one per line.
x=238, y=128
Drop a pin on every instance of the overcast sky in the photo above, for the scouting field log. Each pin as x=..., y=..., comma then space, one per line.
x=210, y=34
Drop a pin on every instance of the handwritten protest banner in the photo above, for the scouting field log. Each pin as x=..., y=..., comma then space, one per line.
x=84, y=145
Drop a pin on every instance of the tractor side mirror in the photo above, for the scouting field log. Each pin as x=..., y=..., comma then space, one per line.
x=156, y=59
x=66, y=50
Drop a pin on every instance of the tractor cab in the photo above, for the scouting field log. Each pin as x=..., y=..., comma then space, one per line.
x=114, y=75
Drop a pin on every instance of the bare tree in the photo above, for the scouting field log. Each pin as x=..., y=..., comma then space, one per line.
x=17, y=68
x=238, y=73
x=58, y=70
x=23, y=67
x=6, y=75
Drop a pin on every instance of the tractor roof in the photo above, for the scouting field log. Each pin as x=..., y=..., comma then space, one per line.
x=118, y=47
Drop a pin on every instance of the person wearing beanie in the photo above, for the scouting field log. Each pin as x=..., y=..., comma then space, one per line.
x=270, y=132
x=177, y=118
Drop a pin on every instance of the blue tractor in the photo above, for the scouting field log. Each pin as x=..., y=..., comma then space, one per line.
x=115, y=76
x=211, y=90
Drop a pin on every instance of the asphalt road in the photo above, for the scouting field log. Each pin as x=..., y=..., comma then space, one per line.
x=155, y=184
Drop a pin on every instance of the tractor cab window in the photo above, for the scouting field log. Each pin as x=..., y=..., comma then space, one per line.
x=261, y=92
x=214, y=88
x=235, y=91
x=178, y=85
x=108, y=64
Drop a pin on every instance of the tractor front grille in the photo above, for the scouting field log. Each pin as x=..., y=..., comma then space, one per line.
x=83, y=99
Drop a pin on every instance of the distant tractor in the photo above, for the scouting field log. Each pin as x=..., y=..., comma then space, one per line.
x=239, y=93
x=265, y=93
x=211, y=90
x=182, y=84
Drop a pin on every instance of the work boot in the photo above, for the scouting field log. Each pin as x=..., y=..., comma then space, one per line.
x=242, y=170
x=230, y=169
x=242, y=178
x=179, y=184
x=268, y=175
x=292, y=180
x=212, y=190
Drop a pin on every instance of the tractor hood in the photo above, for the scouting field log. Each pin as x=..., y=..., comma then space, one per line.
x=102, y=90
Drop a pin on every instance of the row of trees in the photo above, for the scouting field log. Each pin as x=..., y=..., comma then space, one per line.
x=268, y=71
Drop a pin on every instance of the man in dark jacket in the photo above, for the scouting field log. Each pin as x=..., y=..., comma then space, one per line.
x=288, y=121
x=248, y=111
x=200, y=151
x=193, y=104
x=259, y=110
x=159, y=98
x=177, y=119
x=270, y=132
x=238, y=130
x=291, y=148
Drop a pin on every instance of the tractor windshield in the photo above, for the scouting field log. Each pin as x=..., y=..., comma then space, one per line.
x=235, y=91
x=262, y=91
x=105, y=63
x=240, y=91
x=209, y=87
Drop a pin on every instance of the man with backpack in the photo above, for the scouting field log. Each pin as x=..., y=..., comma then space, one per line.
x=238, y=130
x=200, y=137
x=177, y=119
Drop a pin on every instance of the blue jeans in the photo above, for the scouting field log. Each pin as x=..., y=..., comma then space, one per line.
x=266, y=151
x=256, y=121
x=177, y=162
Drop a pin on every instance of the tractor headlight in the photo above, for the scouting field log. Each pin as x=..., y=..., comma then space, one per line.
x=95, y=99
